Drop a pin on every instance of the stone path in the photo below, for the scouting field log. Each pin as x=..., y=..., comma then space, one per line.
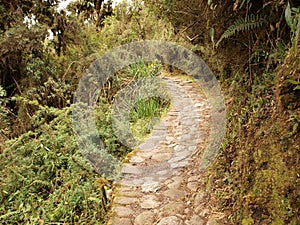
x=161, y=183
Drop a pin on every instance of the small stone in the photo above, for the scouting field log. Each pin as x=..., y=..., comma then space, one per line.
x=125, y=200
x=177, y=158
x=192, y=148
x=170, y=138
x=203, y=212
x=175, y=194
x=193, y=186
x=193, y=178
x=161, y=157
x=144, y=155
x=187, y=137
x=131, y=182
x=176, y=183
x=171, y=209
x=200, y=198
x=178, y=164
x=145, y=218
x=150, y=202
x=147, y=146
x=122, y=211
x=130, y=169
x=136, y=159
x=172, y=145
x=150, y=187
x=212, y=221
x=120, y=221
x=155, y=138
x=163, y=172
x=179, y=148
x=126, y=188
x=195, y=220
x=171, y=220
x=129, y=193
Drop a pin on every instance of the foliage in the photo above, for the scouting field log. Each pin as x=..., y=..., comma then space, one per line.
x=292, y=22
x=134, y=23
x=249, y=23
x=44, y=179
x=4, y=118
x=94, y=10
x=256, y=173
x=145, y=114
x=144, y=111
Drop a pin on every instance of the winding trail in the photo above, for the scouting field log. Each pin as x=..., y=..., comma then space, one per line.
x=161, y=183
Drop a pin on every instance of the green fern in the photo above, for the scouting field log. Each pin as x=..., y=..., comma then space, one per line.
x=244, y=24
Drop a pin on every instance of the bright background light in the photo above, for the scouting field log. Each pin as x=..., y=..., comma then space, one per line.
x=63, y=4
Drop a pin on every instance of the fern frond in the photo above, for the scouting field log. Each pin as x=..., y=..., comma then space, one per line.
x=245, y=24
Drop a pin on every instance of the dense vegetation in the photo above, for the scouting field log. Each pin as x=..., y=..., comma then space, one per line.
x=252, y=47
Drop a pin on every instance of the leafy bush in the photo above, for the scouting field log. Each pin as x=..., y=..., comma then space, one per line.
x=45, y=179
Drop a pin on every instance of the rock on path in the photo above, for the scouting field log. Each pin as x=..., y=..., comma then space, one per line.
x=161, y=184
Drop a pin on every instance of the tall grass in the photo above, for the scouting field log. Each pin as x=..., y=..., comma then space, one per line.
x=145, y=114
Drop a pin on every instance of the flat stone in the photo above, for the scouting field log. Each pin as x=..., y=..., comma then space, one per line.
x=212, y=221
x=179, y=148
x=175, y=194
x=195, y=220
x=188, y=138
x=171, y=220
x=176, y=159
x=155, y=138
x=161, y=156
x=144, y=155
x=120, y=221
x=188, y=123
x=171, y=209
x=193, y=186
x=150, y=202
x=193, y=178
x=136, y=159
x=200, y=104
x=125, y=200
x=126, y=188
x=170, y=138
x=163, y=172
x=176, y=183
x=130, y=169
x=131, y=182
x=150, y=186
x=192, y=148
x=147, y=146
x=145, y=218
x=202, y=212
x=128, y=193
x=123, y=211
x=178, y=164
x=172, y=145
x=200, y=198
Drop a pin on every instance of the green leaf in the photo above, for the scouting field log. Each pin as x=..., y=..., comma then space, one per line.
x=288, y=15
x=293, y=82
x=297, y=88
x=212, y=35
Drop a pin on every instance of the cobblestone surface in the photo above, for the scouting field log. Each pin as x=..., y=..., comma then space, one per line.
x=161, y=183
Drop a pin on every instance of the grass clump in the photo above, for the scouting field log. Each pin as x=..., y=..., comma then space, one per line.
x=145, y=114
